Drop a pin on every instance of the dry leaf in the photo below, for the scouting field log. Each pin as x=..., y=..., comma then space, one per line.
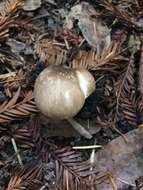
x=94, y=31
x=124, y=160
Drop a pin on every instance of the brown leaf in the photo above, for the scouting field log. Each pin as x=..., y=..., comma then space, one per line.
x=122, y=159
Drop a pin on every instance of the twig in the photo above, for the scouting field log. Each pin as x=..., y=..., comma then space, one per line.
x=16, y=151
x=82, y=131
x=87, y=147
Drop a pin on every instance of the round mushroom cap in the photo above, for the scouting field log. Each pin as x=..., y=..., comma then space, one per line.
x=57, y=93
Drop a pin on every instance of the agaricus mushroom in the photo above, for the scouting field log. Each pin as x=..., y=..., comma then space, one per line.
x=60, y=93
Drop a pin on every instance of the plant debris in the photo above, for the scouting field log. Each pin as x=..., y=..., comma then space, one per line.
x=123, y=160
x=104, y=37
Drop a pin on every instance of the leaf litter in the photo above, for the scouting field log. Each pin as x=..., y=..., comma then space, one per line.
x=104, y=37
x=122, y=159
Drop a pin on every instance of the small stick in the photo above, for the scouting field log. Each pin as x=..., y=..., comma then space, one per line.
x=86, y=147
x=67, y=44
x=16, y=151
x=81, y=130
x=126, y=182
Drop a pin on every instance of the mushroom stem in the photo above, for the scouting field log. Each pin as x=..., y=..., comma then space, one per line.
x=81, y=130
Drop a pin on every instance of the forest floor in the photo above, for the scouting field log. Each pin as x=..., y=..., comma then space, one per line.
x=104, y=37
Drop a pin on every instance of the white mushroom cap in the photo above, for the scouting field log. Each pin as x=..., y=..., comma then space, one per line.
x=60, y=93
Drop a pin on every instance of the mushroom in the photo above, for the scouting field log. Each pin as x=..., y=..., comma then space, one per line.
x=60, y=93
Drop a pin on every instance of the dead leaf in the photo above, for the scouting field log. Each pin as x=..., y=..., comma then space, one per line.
x=94, y=31
x=124, y=160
